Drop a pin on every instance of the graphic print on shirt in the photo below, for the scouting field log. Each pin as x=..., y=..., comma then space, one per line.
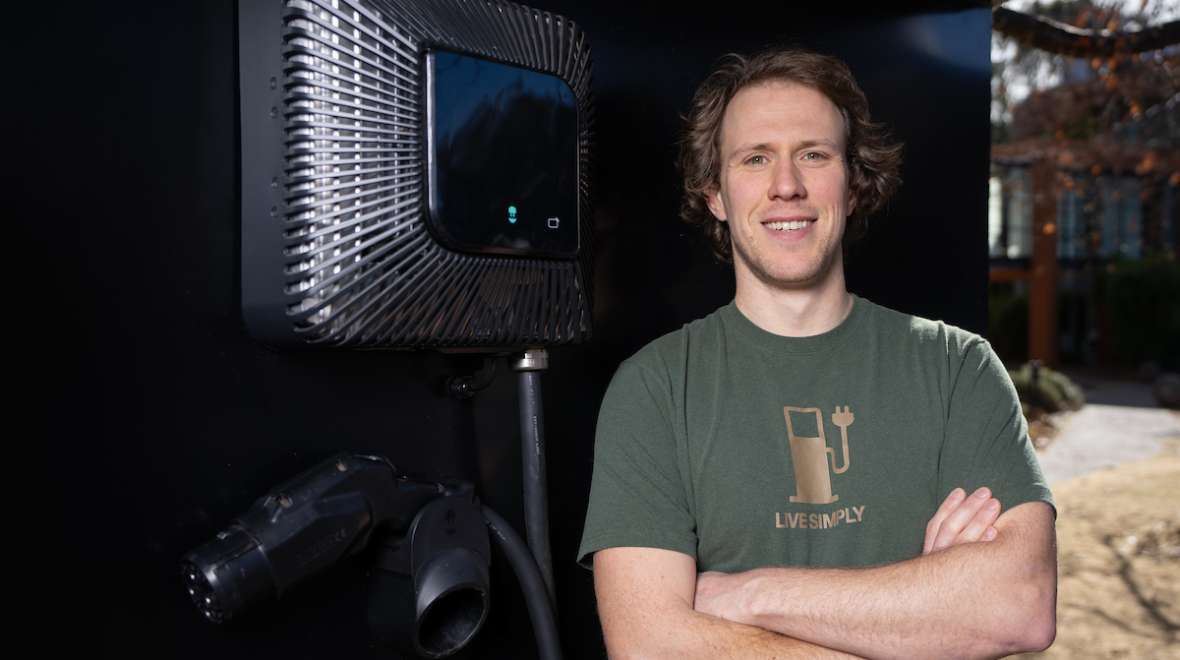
x=810, y=455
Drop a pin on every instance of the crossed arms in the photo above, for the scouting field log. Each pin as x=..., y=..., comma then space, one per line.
x=985, y=586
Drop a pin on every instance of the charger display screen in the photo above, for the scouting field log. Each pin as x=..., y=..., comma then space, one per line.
x=502, y=158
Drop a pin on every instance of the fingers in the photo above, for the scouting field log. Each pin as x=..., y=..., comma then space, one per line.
x=980, y=523
x=962, y=519
x=958, y=520
x=945, y=509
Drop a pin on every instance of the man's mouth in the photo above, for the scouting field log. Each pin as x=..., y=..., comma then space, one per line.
x=787, y=225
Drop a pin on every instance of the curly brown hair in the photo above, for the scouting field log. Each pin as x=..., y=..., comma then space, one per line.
x=874, y=160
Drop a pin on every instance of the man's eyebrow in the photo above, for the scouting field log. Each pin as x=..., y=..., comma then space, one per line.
x=761, y=146
x=766, y=146
x=817, y=143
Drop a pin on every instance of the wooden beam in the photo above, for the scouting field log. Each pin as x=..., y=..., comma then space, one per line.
x=1007, y=274
x=1056, y=37
x=1042, y=293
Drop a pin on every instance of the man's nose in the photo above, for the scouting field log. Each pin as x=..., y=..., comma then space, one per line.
x=787, y=182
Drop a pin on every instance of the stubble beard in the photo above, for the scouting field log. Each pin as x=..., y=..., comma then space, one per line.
x=805, y=280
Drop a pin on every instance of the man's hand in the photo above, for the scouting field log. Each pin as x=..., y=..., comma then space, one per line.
x=962, y=519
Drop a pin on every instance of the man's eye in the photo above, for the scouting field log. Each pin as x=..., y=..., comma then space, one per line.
x=756, y=159
x=815, y=155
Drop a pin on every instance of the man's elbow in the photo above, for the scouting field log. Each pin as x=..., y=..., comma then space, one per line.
x=636, y=648
x=1034, y=617
x=617, y=652
x=649, y=636
x=1042, y=637
x=1041, y=629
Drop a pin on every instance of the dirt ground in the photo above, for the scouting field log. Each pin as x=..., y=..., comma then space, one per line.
x=1118, y=535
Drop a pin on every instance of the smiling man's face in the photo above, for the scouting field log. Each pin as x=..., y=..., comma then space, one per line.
x=783, y=185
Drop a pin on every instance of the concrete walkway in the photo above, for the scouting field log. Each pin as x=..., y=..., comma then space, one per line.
x=1119, y=423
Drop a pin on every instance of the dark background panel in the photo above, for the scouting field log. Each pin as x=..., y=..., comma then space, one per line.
x=159, y=419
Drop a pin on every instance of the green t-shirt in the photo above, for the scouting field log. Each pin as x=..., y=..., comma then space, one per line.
x=743, y=449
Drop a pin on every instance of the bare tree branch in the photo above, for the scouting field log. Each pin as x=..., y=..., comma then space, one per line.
x=1055, y=37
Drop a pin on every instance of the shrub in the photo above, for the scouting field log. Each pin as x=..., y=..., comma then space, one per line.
x=1143, y=303
x=1007, y=327
x=1052, y=391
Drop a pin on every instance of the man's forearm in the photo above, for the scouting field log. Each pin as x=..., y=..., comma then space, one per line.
x=645, y=603
x=973, y=600
x=689, y=635
x=934, y=606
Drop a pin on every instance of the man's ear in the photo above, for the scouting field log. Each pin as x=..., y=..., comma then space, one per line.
x=716, y=207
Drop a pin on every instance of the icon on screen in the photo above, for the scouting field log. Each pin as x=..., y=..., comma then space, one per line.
x=554, y=223
x=511, y=215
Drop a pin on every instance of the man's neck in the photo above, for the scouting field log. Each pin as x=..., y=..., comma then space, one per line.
x=802, y=312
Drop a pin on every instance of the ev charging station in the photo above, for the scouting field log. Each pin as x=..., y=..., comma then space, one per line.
x=413, y=176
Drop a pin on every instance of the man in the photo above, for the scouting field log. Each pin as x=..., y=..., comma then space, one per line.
x=803, y=473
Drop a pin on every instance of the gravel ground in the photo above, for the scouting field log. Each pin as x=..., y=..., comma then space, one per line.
x=1113, y=467
x=1118, y=550
x=1119, y=423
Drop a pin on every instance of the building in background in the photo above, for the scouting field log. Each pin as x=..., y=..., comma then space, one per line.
x=1108, y=138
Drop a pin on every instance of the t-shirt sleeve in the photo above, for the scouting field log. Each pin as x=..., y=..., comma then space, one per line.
x=986, y=441
x=637, y=493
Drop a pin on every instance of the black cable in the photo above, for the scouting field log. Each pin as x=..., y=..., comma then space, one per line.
x=536, y=499
x=531, y=585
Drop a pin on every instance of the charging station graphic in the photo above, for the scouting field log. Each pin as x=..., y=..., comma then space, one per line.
x=810, y=455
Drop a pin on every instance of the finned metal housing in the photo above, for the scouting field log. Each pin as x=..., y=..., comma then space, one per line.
x=335, y=249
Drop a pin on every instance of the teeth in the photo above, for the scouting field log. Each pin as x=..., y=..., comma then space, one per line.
x=788, y=226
